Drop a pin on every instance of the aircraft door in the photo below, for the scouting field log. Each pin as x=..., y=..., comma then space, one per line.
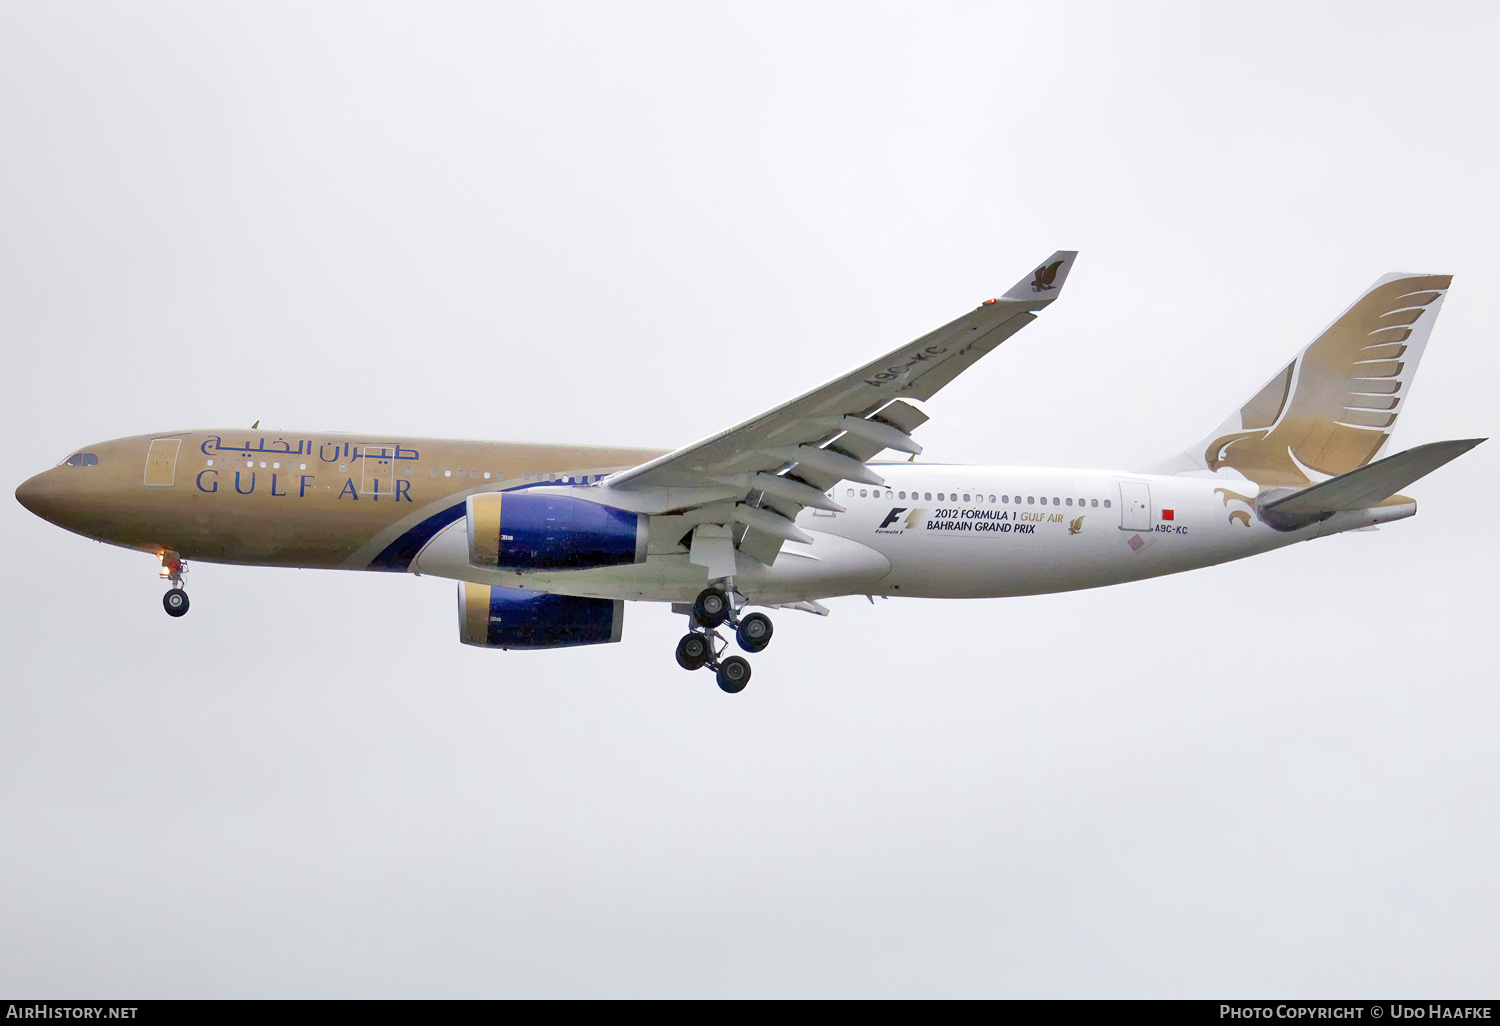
x=377, y=470
x=161, y=462
x=1135, y=506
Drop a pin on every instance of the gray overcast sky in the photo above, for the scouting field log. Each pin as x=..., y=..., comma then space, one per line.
x=640, y=224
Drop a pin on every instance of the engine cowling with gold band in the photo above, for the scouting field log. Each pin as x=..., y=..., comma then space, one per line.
x=523, y=531
x=490, y=617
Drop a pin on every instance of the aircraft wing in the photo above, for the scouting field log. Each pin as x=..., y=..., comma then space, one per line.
x=774, y=465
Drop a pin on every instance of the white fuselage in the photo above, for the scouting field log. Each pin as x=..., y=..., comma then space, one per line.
x=937, y=531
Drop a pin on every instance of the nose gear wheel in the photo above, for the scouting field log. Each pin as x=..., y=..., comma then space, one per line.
x=175, y=601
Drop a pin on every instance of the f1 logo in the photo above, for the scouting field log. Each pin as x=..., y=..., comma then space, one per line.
x=892, y=517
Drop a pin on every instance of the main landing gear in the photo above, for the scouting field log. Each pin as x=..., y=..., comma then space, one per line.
x=175, y=602
x=702, y=646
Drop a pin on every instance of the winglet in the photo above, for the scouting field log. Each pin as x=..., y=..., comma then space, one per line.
x=1047, y=280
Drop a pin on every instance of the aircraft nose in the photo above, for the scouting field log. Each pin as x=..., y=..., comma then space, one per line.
x=36, y=495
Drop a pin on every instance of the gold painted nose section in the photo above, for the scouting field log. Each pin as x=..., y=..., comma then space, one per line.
x=34, y=495
x=47, y=496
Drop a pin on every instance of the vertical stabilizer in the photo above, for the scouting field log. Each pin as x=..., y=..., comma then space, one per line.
x=1333, y=408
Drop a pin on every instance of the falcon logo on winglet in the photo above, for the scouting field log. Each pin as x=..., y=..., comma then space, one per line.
x=1045, y=276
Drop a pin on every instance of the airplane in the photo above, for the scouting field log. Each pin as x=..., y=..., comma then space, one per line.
x=791, y=507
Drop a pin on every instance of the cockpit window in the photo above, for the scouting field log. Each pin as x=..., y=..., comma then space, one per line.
x=82, y=459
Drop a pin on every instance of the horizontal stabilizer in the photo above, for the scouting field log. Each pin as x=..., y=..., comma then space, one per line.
x=1363, y=488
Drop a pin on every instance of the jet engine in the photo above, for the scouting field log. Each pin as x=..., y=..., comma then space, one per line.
x=526, y=531
x=516, y=618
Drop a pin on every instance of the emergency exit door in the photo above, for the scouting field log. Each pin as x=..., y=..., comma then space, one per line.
x=1135, y=506
x=377, y=470
x=161, y=462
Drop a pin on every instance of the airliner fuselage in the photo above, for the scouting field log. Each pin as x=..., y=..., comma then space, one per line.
x=318, y=500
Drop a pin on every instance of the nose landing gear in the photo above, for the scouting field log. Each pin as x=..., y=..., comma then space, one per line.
x=175, y=601
x=702, y=646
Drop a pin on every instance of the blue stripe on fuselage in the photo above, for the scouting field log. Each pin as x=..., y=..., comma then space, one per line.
x=399, y=553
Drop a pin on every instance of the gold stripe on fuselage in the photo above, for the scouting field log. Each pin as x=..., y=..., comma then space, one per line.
x=316, y=500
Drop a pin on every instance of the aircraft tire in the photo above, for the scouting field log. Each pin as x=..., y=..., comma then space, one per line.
x=693, y=651
x=175, y=602
x=754, y=632
x=734, y=674
x=710, y=608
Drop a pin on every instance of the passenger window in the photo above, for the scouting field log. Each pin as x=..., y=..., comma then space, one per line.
x=1005, y=498
x=447, y=473
x=1096, y=503
x=486, y=475
x=929, y=497
x=851, y=493
x=966, y=496
x=1031, y=500
x=992, y=500
x=862, y=493
x=210, y=463
x=433, y=471
x=901, y=494
x=1069, y=502
x=1106, y=504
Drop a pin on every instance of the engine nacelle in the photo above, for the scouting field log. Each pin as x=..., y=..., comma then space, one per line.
x=528, y=531
x=515, y=618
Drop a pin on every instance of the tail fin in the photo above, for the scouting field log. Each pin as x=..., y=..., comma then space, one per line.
x=1333, y=408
